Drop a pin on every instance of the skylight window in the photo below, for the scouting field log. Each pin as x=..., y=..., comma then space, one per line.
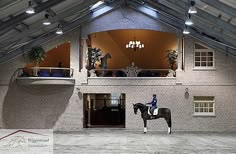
x=96, y=5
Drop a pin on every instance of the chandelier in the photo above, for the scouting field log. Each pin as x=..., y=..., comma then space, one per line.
x=136, y=45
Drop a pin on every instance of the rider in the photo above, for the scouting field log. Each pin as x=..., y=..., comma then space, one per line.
x=153, y=103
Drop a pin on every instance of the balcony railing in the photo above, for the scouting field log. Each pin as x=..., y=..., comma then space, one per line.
x=135, y=73
x=45, y=72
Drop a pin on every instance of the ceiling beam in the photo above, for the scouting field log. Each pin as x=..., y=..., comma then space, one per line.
x=58, y=18
x=221, y=6
x=210, y=18
x=194, y=33
x=66, y=28
x=200, y=24
x=49, y=10
x=161, y=15
x=12, y=22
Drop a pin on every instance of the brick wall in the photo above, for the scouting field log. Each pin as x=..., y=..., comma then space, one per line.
x=61, y=107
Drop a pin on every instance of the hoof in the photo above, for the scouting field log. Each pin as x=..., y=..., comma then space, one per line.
x=144, y=132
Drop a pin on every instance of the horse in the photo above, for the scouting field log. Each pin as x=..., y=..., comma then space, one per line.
x=162, y=113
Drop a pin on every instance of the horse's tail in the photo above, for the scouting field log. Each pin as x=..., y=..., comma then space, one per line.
x=170, y=124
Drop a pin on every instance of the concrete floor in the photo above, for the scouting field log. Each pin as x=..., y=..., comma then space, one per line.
x=106, y=141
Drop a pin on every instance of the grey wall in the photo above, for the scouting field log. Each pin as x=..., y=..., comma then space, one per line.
x=61, y=107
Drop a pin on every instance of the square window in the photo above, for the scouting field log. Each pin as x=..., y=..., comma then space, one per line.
x=204, y=105
x=203, y=55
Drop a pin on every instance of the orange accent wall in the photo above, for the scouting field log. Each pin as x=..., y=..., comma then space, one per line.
x=56, y=55
x=152, y=56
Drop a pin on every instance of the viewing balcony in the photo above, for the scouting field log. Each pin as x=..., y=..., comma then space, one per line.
x=45, y=76
x=124, y=77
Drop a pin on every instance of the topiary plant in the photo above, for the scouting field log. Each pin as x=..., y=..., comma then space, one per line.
x=37, y=55
x=94, y=55
x=172, y=57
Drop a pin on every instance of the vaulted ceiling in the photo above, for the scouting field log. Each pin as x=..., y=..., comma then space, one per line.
x=214, y=23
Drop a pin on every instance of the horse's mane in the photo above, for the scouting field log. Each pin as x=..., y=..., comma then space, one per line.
x=140, y=104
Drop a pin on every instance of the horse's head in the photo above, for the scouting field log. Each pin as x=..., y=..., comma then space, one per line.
x=135, y=108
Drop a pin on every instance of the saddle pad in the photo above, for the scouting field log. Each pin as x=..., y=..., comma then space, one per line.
x=155, y=111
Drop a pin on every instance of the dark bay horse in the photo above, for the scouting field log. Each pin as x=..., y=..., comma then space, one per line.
x=162, y=113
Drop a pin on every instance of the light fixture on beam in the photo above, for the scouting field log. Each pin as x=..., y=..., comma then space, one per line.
x=46, y=21
x=30, y=9
x=59, y=30
x=189, y=21
x=192, y=8
x=186, y=30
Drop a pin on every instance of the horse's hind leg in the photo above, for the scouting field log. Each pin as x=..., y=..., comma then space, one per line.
x=168, y=121
x=145, y=126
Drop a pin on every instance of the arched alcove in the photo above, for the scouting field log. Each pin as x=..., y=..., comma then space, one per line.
x=152, y=56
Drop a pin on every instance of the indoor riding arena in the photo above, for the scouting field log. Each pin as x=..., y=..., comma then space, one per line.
x=118, y=76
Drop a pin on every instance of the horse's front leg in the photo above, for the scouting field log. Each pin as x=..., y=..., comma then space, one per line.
x=145, y=126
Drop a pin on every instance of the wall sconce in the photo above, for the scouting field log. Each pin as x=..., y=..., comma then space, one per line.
x=186, y=94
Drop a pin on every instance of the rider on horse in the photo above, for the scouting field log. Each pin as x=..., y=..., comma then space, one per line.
x=153, y=103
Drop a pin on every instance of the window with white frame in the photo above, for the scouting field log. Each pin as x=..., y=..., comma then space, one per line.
x=115, y=98
x=203, y=57
x=204, y=105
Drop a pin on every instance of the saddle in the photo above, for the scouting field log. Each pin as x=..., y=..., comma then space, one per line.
x=155, y=112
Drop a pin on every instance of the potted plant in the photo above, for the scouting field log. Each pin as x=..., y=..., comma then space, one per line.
x=37, y=55
x=94, y=55
x=171, y=58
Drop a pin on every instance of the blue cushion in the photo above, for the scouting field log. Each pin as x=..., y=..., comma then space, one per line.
x=44, y=73
x=57, y=74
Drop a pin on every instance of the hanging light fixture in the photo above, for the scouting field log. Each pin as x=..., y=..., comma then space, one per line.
x=135, y=45
x=189, y=21
x=186, y=30
x=59, y=30
x=46, y=21
x=192, y=8
x=30, y=9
